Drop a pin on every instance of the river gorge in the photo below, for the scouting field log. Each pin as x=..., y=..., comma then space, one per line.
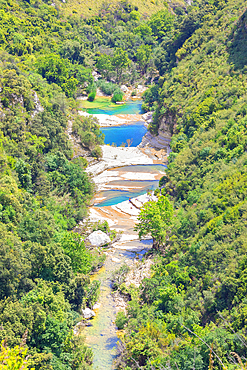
x=125, y=178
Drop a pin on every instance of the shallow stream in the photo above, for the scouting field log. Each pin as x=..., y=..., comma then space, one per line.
x=101, y=335
x=127, y=185
x=123, y=183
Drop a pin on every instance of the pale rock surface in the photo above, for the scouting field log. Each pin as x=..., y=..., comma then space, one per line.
x=96, y=306
x=104, y=178
x=96, y=75
x=115, y=259
x=116, y=157
x=162, y=140
x=98, y=238
x=38, y=107
x=157, y=142
x=124, y=88
x=148, y=117
x=138, y=176
x=105, y=119
x=88, y=313
x=133, y=208
x=94, y=216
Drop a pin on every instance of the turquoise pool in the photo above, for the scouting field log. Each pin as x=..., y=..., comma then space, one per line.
x=119, y=134
x=136, y=187
x=130, y=107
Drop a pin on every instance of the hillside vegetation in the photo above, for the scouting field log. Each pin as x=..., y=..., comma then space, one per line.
x=88, y=8
x=46, y=61
x=192, y=313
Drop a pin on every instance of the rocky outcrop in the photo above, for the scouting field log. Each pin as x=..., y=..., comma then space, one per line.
x=78, y=150
x=87, y=313
x=98, y=239
x=124, y=88
x=162, y=140
x=148, y=117
x=134, y=277
x=38, y=107
x=157, y=142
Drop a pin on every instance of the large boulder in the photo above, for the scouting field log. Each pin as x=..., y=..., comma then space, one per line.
x=88, y=313
x=98, y=238
x=124, y=88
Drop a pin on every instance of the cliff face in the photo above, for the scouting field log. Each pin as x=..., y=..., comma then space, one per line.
x=166, y=126
x=162, y=140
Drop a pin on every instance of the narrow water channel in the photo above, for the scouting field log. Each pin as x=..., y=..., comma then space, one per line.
x=120, y=185
x=101, y=335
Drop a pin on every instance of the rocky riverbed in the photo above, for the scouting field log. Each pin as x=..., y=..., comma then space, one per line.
x=120, y=171
x=109, y=175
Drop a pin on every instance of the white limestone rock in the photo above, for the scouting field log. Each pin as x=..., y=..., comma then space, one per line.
x=124, y=88
x=38, y=107
x=98, y=238
x=115, y=259
x=117, y=157
x=88, y=313
x=148, y=117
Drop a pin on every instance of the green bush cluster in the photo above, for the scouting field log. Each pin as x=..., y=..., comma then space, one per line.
x=117, y=96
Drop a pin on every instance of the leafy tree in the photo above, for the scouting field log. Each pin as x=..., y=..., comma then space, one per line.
x=88, y=130
x=155, y=218
x=14, y=358
x=91, y=96
x=97, y=152
x=57, y=70
x=73, y=50
x=104, y=65
x=38, y=226
x=120, y=62
x=80, y=257
x=143, y=55
x=15, y=267
x=117, y=96
x=53, y=68
x=15, y=90
x=161, y=23
x=24, y=174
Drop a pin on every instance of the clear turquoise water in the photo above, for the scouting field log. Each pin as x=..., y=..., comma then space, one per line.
x=130, y=107
x=137, y=187
x=120, y=134
x=117, y=196
x=101, y=335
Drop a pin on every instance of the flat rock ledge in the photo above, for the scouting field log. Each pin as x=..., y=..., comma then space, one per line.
x=118, y=157
x=106, y=120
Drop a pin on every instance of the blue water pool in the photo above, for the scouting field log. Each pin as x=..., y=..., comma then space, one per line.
x=136, y=187
x=119, y=134
x=118, y=196
x=130, y=107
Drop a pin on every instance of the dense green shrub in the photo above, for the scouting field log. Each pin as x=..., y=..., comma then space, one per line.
x=107, y=88
x=91, y=96
x=117, y=96
x=121, y=320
